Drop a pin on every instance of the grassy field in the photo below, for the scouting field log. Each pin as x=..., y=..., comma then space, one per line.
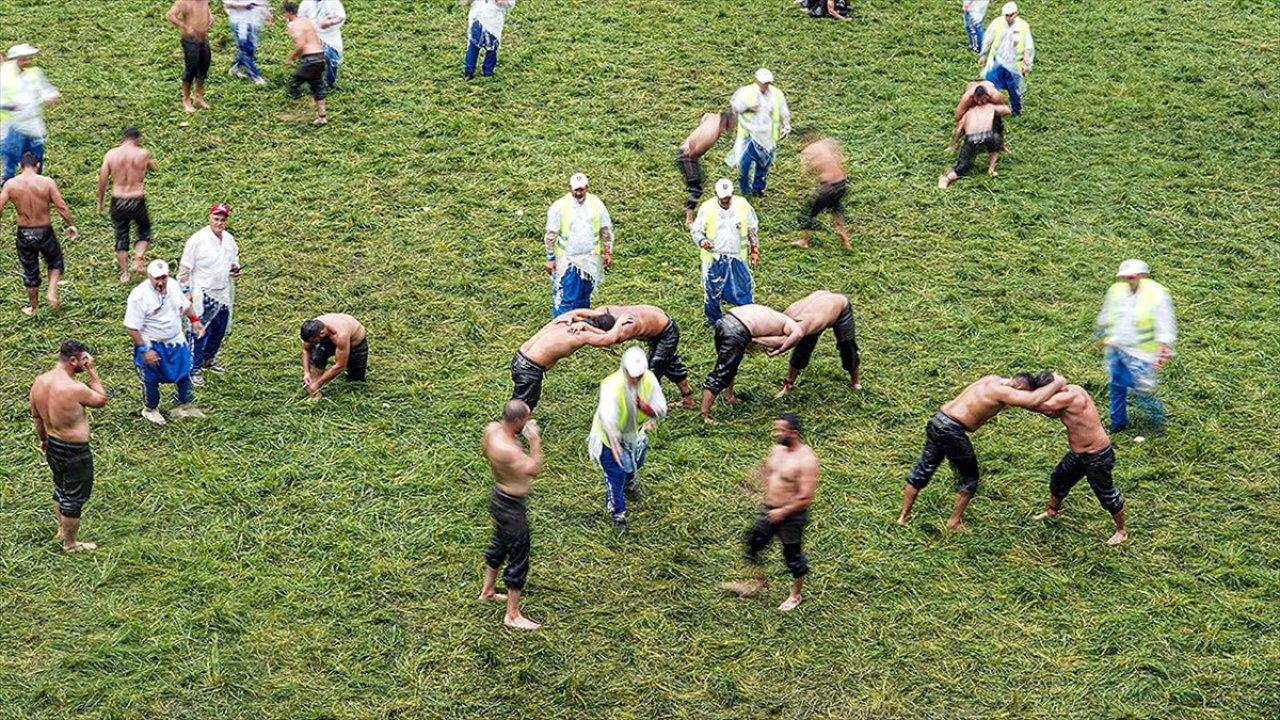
x=289, y=559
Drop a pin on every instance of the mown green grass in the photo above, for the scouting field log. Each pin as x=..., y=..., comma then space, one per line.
x=286, y=559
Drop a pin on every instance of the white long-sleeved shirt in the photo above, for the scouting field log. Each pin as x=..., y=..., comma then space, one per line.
x=631, y=433
x=30, y=92
x=761, y=127
x=1006, y=55
x=208, y=260
x=491, y=14
x=157, y=316
x=318, y=11
x=246, y=14
x=1124, y=333
x=580, y=243
x=977, y=9
x=728, y=239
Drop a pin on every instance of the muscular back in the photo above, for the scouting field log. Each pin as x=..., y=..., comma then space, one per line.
x=1079, y=415
x=817, y=311
x=553, y=342
x=304, y=35
x=761, y=321
x=703, y=137
x=344, y=326
x=58, y=400
x=128, y=165
x=650, y=320
x=506, y=456
x=976, y=404
x=32, y=195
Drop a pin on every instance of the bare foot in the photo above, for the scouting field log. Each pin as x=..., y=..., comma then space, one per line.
x=1046, y=515
x=741, y=589
x=847, y=246
x=957, y=527
x=687, y=403
x=801, y=243
x=1119, y=537
x=708, y=421
x=790, y=603
x=904, y=519
x=124, y=277
x=493, y=597
x=992, y=172
x=201, y=103
x=787, y=386
x=80, y=547
x=942, y=182
x=731, y=399
x=28, y=310
x=520, y=622
x=186, y=105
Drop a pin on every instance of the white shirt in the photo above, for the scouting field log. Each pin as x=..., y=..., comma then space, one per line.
x=727, y=241
x=490, y=14
x=1124, y=333
x=977, y=9
x=157, y=316
x=32, y=92
x=209, y=261
x=761, y=127
x=1007, y=53
x=580, y=245
x=251, y=13
x=318, y=10
x=631, y=433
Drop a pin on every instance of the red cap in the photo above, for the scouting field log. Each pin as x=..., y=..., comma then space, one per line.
x=220, y=209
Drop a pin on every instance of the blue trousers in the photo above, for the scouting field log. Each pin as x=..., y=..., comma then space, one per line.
x=15, y=144
x=617, y=479
x=480, y=39
x=1129, y=373
x=973, y=28
x=174, y=367
x=753, y=155
x=571, y=292
x=334, y=59
x=246, y=49
x=215, y=317
x=728, y=280
x=1011, y=82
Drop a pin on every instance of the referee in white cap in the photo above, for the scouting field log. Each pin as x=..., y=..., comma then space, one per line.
x=1138, y=329
x=24, y=91
x=631, y=401
x=579, y=244
x=763, y=119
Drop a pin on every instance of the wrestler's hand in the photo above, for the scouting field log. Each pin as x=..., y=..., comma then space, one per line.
x=86, y=361
x=44, y=446
x=626, y=319
x=608, y=258
x=313, y=389
x=197, y=328
x=151, y=357
x=776, y=515
x=72, y=232
x=550, y=267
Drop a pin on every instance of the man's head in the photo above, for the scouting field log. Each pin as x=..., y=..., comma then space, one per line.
x=724, y=191
x=158, y=275
x=23, y=54
x=1027, y=381
x=728, y=120
x=29, y=161
x=634, y=363
x=981, y=96
x=1010, y=12
x=71, y=353
x=786, y=429
x=603, y=321
x=515, y=414
x=313, y=331
x=578, y=185
x=290, y=9
x=764, y=79
x=1133, y=271
x=218, y=214
x=131, y=134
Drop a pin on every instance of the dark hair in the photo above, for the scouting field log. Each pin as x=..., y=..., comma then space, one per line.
x=808, y=134
x=291, y=7
x=131, y=133
x=70, y=349
x=980, y=91
x=29, y=159
x=728, y=117
x=792, y=420
x=1037, y=381
x=310, y=329
x=515, y=410
x=603, y=321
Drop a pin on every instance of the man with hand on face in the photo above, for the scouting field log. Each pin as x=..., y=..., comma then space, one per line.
x=631, y=402
x=338, y=336
x=57, y=403
x=947, y=434
x=579, y=244
x=724, y=230
x=153, y=318
x=513, y=471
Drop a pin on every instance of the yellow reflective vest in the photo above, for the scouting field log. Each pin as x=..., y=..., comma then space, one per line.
x=594, y=206
x=1150, y=293
x=742, y=213
x=615, y=386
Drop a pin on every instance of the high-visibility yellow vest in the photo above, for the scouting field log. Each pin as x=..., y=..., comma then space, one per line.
x=1150, y=293
x=742, y=213
x=616, y=386
x=1020, y=26
x=752, y=97
x=9, y=79
x=593, y=206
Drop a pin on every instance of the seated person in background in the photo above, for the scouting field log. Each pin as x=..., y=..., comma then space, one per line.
x=838, y=9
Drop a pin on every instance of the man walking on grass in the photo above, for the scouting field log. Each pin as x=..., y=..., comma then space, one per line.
x=153, y=318
x=208, y=270
x=31, y=194
x=947, y=434
x=484, y=32
x=631, y=402
x=57, y=402
x=790, y=478
x=24, y=92
x=309, y=53
x=193, y=20
x=1138, y=329
x=763, y=119
x=579, y=241
x=726, y=232
x=329, y=17
x=513, y=470
x=126, y=165
x=247, y=18
x=822, y=158
x=1007, y=54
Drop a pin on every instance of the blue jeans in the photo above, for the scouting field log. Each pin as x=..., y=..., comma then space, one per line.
x=1129, y=373
x=246, y=49
x=1011, y=82
x=480, y=39
x=571, y=292
x=334, y=59
x=215, y=317
x=14, y=146
x=617, y=479
x=762, y=160
x=174, y=366
x=973, y=28
x=728, y=280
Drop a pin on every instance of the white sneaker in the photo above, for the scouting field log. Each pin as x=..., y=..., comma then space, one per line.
x=154, y=416
x=259, y=80
x=215, y=368
x=236, y=71
x=197, y=379
x=186, y=411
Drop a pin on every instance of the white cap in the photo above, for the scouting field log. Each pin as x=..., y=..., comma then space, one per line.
x=763, y=75
x=1129, y=268
x=20, y=50
x=634, y=361
x=724, y=188
x=1009, y=8
x=158, y=268
x=577, y=181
